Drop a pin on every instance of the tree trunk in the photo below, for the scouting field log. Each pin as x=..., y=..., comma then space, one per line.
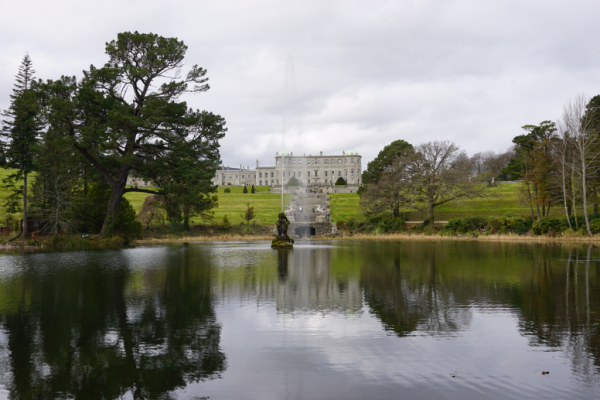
x=186, y=219
x=24, y=204
x=430, y=216
x=595, y=197
x=583, y=187
x=116, y=194
x=530, y=203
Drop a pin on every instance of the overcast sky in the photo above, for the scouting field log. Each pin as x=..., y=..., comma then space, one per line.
x=365, y=72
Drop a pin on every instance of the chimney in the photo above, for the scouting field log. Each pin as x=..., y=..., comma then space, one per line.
x=256, y=163
x=241, y=167
x=321, y=153
x=343, y=153
x=292, y=154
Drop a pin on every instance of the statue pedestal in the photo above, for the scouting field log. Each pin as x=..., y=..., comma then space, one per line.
x=282, y=240
x=282, y=243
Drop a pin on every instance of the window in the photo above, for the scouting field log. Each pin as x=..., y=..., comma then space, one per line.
x=325, y=173
x=339, y=173
x=315, y=161
x=316, y=174
x=217, y=175
x=352, y=173
x=272, y=175
x=332, y=162
x=339, y=162
x=294, y=173
x=346, y=173
x=272, y=181
x=352, y=161
x=307, y=162
x=260, y=174
x=309, y=174
x=294, y=162
x=325, y=162
x=236, y=177
x=332, y=173
x=309, y=181
x=299, y=174
x=260, y=182
x=242, y=176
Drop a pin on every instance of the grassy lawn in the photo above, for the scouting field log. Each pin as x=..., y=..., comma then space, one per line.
x=266, y=205
x=499, y=200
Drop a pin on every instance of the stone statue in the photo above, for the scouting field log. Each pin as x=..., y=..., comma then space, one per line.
x=282, y=239
x=282, y=224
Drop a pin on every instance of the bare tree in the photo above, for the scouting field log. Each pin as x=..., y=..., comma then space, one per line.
x=581, y=127
x=439, y=173
x=488, y=164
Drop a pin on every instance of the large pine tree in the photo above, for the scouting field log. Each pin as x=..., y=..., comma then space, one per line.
x=20, y=130
x=127, y=117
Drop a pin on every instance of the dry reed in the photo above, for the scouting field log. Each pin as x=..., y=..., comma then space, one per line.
x=207, y=238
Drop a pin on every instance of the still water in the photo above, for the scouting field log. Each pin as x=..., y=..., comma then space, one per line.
x=339, y=320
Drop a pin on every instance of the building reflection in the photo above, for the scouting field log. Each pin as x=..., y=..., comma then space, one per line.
x=309, y=284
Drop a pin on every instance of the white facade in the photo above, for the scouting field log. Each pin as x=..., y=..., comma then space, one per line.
x=308, y=170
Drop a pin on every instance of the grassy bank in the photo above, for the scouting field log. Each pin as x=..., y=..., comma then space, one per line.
x=266, y=205
x=498, y=201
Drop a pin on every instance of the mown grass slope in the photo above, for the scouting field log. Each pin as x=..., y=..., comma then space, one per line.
x=497, y=201
x=266, y=205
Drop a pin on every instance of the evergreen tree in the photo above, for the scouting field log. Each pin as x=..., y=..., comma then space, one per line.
x=253, y=190
x=245, y=189
x=126, y=118
x=384, y=159
x=340, y=182
x=20, y=130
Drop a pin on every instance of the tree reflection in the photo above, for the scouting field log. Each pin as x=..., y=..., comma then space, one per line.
x=100, y=332
x=405, y=292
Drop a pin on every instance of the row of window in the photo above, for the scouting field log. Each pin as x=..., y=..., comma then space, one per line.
x=316, y=161
x=297, y=174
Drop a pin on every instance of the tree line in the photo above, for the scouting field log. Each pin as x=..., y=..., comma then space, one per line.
x=80, y=139
x=558, y=163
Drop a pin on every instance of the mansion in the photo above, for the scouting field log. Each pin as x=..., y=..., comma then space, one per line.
x=308, y=170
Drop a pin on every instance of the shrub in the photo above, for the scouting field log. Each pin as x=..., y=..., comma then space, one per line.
x=455, y=225
x=245, y=189
x=595, y=226
x=340, y=181
x=32, y=242
x=127, y=226
x=509, y=222
x=475, y=223
x=227, y=190
x=341, y=225
x=225, y=224
x=546, y=225
x=575, y=222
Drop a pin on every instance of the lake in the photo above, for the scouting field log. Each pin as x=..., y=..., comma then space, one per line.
x=326, y=320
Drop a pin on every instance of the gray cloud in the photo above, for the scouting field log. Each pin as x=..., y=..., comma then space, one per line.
x=367, y=73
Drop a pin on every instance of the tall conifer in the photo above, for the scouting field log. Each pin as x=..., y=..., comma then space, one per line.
x=20, y=129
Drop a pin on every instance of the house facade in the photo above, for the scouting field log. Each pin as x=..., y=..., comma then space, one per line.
x=311, y=170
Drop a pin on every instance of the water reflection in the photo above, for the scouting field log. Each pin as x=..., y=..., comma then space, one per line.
x=149, y=322
x=103, y=328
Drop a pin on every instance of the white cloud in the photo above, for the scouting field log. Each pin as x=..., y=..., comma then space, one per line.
x=367, y=73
